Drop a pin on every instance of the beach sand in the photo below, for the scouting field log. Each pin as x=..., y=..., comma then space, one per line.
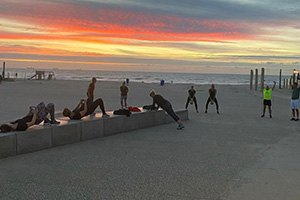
x=235, y=155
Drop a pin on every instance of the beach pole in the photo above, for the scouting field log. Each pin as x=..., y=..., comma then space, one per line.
x=3, y=72
x=280, y=78
x=262, y=80
x=283, y=83
x=251, y=79
x=256, y=79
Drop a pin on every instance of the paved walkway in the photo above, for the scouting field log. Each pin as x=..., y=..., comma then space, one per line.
x=234, y=155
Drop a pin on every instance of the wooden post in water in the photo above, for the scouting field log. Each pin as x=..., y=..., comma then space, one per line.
x=3, y=72
x=284, y=83
x=280, y=78
x=251, y=79
x=256, y=79
x=262, y=80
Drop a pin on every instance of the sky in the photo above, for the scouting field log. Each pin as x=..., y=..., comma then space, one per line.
x=201, y=36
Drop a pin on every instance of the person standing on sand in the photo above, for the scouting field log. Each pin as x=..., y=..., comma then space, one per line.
x=212, y=98
x=295, y=102
x=124, y=91
x=267, y=99
x=90, y=91
x=191, y=98
x=166, y=106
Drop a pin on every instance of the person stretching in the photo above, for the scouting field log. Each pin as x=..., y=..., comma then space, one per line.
x=295, y=102
x=267, y=99
x=212, y=98
x=166, y=106
x=124, y=91
x=84, y=108
x=35, y=116
x=191, y=98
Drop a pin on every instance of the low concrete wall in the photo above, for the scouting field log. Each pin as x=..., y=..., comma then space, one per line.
x=70, y=131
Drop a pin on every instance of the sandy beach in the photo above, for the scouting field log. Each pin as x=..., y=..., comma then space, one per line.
x=235, y=155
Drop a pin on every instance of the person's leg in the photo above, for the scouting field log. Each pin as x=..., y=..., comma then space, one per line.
x=187, y=102
x=206, y=106
x=270, y=111
x=297, y=112
x=50, y=109
x=168, y=108
x=122, y=101
x=195, y=102
x=293, y=112
x=95, y=104
x=217, y=105
x=264, y=110
x=125, y=101
x=41, y=113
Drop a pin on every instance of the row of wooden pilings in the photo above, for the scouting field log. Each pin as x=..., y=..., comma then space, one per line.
x=287, y=82
x=262, y=79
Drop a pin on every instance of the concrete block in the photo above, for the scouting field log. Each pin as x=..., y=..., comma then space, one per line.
x=92, y=129
x=8, y=145
x=131, y=123
x=66, y=133
x=160, y=118
x=118, y=124
x=146, y=119
x=34, y=139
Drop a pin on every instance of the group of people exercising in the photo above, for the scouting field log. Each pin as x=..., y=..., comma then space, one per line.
x=212, y=98
x=39, y=113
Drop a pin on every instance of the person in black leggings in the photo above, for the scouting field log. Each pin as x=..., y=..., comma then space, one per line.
x=36, y=115
x=191, y=98
x=166, y=106
x=84, y=108
x=212, y=98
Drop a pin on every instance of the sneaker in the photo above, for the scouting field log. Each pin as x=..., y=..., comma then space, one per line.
x=271, y=116
x=197, y=111
x=218, y=112
x=297, y=119
x=262, y=116
x=293, y=119
x=180, y=127
x=105, y=115
x=205, y=111
x=54, y=122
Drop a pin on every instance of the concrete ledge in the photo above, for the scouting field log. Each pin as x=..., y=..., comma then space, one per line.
x=71, y=131
x=66, y=134
x=34, y=140
x=91, y=129
x=8, y=143
x=146, y=119
x=119, y=124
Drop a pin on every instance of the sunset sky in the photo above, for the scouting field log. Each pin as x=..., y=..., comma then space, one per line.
x=209, y=36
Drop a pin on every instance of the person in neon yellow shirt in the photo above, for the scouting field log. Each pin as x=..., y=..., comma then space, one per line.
x=267, y=99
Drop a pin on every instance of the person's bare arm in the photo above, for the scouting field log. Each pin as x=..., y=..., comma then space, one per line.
x=80, y=102
x=274, y=85
x=82, y=113
x=33, y=118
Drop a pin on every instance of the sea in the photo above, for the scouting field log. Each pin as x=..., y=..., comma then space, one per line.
x=144, y=77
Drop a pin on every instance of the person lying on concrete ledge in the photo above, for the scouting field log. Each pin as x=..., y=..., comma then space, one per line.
x=35, y=116
x=84, y=108
x=166, y=106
